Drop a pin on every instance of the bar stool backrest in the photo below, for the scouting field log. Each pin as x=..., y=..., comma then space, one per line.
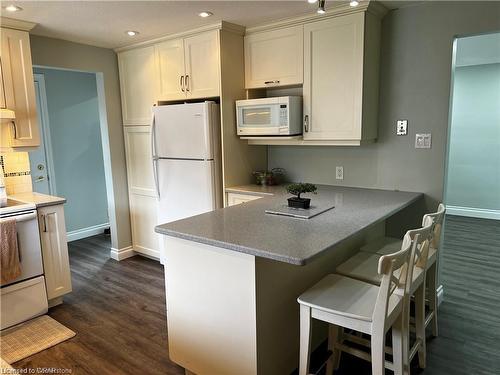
x=437, y=218
x=390, y=283
x=422, y=242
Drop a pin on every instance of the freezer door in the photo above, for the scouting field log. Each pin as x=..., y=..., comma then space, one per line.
x=187, y=188
x=185, y=131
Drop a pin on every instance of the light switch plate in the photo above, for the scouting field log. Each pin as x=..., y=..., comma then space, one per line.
x=423, y=140
x=402, y=127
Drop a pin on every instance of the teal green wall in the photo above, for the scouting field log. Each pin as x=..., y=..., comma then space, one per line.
x=76, y=146
x=473, y=179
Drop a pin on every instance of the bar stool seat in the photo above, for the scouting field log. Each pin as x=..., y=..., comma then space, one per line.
x=350, y=298
x=388, y=245
x=362, y=266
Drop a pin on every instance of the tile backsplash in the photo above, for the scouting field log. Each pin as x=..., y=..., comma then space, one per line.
x=16, y=171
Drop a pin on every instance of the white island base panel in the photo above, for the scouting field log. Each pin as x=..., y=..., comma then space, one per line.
x=233, y=313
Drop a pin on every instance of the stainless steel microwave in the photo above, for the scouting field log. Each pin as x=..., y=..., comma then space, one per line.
x=269, y=116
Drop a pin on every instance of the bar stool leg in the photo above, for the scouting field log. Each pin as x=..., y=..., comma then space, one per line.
x=378, y=353
x=397, y=345
x=432, y=289
x=420, y=324
x=334, y=334
x=305, y=339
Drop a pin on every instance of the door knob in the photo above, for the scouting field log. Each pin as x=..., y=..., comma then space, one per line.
x=39, y=178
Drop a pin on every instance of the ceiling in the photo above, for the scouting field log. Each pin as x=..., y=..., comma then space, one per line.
x=103, y=23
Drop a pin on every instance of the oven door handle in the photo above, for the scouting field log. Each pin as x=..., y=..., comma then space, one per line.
x=25, y=217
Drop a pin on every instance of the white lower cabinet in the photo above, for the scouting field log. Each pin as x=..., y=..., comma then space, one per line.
x=54, y=250
x=237, y=198
x=141, y=190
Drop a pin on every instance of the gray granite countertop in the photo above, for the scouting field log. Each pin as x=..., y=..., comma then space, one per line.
x=257, y=189
x=38, y=199
x=248, y=229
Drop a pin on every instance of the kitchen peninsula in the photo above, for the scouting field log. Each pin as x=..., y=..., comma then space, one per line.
x=233, y=275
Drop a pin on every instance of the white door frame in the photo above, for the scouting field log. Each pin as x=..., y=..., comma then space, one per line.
x=103, y=123
x=45, y=130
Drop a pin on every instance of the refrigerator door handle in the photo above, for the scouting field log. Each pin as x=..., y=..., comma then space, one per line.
x=154, y=157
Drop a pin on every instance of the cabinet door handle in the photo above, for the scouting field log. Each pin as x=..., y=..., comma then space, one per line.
x=182, y=83
x=271, y=82
x=187, y=83
x=44, y=222
x=306, y=123
x=13, y=122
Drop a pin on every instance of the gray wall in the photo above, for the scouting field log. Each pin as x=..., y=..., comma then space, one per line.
x=415, y=77
x=473, y=178
x=75, y=133
x=68, y=55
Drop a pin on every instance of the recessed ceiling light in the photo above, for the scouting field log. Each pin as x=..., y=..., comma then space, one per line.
x=311, y=1
x=354, y=3
x=131, y=33
x=321, y=7
x=13, y=8
x=205, y=14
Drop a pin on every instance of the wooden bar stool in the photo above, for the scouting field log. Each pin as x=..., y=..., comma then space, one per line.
x=360, y=267
x=387, y=245
x=349, y=303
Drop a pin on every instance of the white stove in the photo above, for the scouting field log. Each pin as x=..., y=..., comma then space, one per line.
x=13, y=206
x=24, y=297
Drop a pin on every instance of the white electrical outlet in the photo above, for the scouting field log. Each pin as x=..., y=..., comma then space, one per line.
x=402, y=127
x=423, y=140
x=339, y=173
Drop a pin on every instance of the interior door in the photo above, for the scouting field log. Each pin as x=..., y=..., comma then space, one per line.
x=333, y=78
x=182, y=131
x=201, y=56
x=187, y=188
x=170, y=56
x=38, y=157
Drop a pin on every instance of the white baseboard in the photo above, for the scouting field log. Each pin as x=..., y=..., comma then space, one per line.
x=123, y=253
x=86, y=232
x=150, y=253
x=481, y=213
x=440, y=294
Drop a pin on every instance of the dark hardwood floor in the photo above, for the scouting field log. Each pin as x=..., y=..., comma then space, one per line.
x=118, y=311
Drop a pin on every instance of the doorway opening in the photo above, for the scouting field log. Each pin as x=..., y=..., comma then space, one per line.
x=472, y=185
x=70, y=161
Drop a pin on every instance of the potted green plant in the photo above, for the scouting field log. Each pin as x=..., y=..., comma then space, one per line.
x=297, y=189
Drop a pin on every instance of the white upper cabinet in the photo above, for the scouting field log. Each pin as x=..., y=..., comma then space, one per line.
x=170, y=55
x=138, y=84
x=189, y=67
x=19, y=89
x=202, y=65
x=274, y=58
x=341, y=78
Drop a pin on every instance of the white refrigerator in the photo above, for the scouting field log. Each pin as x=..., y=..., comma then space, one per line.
x=186, y=159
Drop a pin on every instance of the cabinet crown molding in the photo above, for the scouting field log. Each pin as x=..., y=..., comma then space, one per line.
x=12, y=23
x=336, y=10
x=222, y=25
